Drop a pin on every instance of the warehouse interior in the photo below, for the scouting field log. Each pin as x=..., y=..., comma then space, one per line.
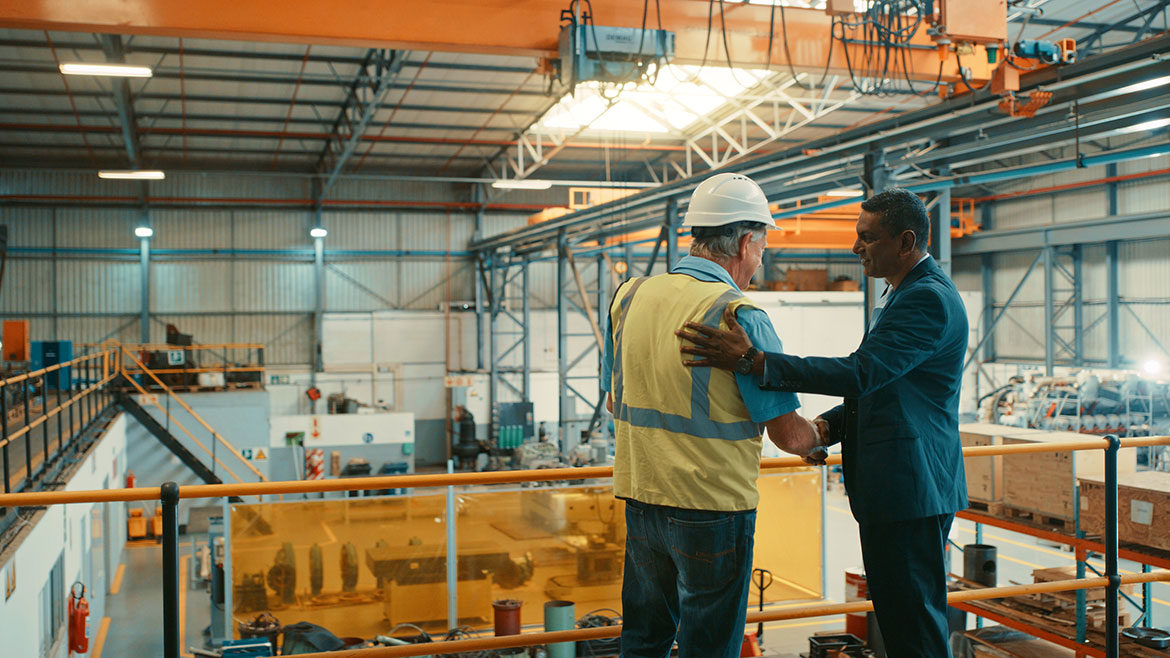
x=292, y=245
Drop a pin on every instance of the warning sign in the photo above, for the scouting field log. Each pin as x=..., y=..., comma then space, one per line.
x=254, y=454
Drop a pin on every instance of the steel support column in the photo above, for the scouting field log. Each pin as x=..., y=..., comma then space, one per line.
x=671, y=223
x=477, y=233
x=988, y=275
x=144, y=271
x=1049, y=257
x=940, y=226
x=876, y=178
x=565, y=402
x=1078, y=301
x=318, y=308
x=1113, y=305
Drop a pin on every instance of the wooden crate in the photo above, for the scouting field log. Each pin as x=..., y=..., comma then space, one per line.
x=985, y=474
x=1043, y=484
x=1092, y=596
x=1143, y=508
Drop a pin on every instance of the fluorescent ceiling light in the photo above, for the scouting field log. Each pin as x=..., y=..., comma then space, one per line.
x=1144, y=85
x=143, y=174
x=318, y=232
x=115, y=70
x=1152, y=367
x=843, y=193
x=679, y=97
x=1148, y=125
x=143, y=231
x=521, y=184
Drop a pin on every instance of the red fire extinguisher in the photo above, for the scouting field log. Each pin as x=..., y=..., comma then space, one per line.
x=78, y=620
x=130, y=479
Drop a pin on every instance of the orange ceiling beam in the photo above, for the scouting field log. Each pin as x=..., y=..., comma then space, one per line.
x=505, y=27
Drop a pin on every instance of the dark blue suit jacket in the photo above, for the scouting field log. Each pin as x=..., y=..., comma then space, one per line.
x=899, y=426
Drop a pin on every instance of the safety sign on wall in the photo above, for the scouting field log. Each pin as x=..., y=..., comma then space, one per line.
x=254, y=454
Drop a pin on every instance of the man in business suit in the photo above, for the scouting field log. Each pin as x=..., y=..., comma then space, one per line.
x=898, y=426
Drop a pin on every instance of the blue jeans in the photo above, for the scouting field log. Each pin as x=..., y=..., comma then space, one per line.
x=686, y=574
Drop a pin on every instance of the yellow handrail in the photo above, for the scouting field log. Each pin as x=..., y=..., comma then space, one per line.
x=801, y=612
x=24, y=376
x=56, y=410
x=458, y=479
x=197, y=417
x=154, y=400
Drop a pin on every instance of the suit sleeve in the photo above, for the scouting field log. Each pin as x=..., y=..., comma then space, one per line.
x=908, y=334
x=836, y=419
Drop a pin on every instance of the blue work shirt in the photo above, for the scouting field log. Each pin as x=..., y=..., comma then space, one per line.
x=761, y=405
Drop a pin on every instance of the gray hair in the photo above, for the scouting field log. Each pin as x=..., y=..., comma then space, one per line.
x=720, y=243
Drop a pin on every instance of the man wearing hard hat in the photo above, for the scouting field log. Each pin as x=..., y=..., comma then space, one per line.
x=689, y=439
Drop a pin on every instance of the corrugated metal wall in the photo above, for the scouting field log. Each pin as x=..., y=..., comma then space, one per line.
x=1143, y=267
x=246, y=273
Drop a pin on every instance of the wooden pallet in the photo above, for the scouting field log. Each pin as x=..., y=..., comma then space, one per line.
x=1037, y=519
x=987, y=507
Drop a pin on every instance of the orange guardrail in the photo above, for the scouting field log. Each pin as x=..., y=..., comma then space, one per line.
x=414, y=481
x=802, y=612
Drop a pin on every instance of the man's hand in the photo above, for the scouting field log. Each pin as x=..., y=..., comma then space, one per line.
x=817, y=456
x=719, y=348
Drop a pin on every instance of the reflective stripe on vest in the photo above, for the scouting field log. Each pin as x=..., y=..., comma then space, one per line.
x=699, y=424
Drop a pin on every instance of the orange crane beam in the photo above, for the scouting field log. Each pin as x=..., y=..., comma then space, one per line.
x=505, y=27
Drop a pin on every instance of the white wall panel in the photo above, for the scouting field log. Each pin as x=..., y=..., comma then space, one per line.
x=28, y=286
x=191, y=286
x=274, y=286
x=85, y=286
x=97, y=227
x=271, y=229
x=365, y=285
x=1142, y=196
x=196, y=228
x=361, y=230
x=28, y=227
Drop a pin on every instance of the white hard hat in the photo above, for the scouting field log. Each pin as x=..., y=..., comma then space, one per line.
x=728, y=198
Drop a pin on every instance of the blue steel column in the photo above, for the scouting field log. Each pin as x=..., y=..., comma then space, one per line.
x=672, y=224
x=1078, y=305
x=564, y=398
x=1112, y=590
x=318, y=305
x=940, y=226
x=602, y=321
x=1049, y=330
x=477, y=194
x=988, y=273
x=876, y=178
x=1113, y=305
x=495, y=292
x=144, y=260
x=526, y=344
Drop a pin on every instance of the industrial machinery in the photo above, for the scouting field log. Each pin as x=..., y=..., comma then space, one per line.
x=1087, y=402
x=591, y=522
x=614, y=55
x=410, y=571
x=282, y=575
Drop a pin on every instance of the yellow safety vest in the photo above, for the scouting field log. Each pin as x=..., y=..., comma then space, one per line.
x=684, y=437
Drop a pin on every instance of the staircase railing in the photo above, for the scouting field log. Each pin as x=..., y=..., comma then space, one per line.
x=139, y=368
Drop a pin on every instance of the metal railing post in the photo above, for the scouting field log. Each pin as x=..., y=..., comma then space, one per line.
x=45, y=421
x=4, y=434
x=1111, y=592
x=170, y=564
x=27, y=435
x=60, y=425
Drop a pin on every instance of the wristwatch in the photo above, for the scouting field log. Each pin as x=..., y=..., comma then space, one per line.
x=746, y=362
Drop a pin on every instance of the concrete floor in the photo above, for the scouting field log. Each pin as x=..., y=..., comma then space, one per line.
x=136, y=613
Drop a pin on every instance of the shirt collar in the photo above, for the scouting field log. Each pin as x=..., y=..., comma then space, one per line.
x=696, y=265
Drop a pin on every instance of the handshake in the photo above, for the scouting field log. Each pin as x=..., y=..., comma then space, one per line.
x=820, y=450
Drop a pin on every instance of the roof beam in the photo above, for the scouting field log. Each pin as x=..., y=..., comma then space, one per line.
x=1117, y=227
x=518, y=27
x=120, y=88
